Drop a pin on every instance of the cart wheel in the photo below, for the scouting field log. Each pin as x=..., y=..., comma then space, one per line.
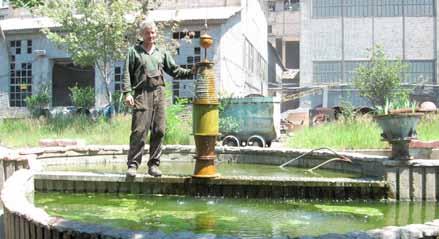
x=256, y=140
x=231, y=140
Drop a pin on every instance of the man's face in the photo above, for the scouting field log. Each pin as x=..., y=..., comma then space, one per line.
x=149, y=35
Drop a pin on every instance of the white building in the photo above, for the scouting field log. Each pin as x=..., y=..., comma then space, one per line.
x=30, y=61
x=239, y=51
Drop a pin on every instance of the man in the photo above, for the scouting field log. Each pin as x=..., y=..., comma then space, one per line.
x=144, y=91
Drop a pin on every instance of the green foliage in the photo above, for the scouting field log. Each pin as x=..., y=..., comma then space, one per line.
x=227, y=124
x=428, y=127
x=82, y=97
x=25, y=3
x=93, y=32
x=402, y=102
x=360, y=133
x=36, y=103
x=355, y=210
x=348, y=111
x=178, y=123
x=118, y=102
x=380, y=79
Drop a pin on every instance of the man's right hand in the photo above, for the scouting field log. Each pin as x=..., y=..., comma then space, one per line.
x=129, y=100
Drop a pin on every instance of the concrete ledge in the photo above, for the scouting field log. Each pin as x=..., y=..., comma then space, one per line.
x=247, y=187
x=367, y=165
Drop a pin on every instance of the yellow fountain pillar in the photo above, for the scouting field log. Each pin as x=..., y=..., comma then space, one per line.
x=205, y=115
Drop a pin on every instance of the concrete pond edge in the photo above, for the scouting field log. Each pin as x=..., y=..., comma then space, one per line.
x=24, y=220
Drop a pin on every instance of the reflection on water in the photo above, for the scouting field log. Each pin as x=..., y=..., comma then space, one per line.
x=246, y=218
x=187, y=168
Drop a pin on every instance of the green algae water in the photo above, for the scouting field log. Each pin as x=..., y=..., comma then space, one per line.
x=187, y=168
x=244, y=218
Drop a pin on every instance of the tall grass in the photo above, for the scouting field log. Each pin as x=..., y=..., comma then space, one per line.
x=428, y=128
x=28, y=132
x=358, y=133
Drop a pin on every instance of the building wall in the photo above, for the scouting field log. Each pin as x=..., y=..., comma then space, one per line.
x=285, y=29
x=231, y=59
x=358, y=37
x=175, y=4
x=346, y=39
x=254, y=25
x=41, y=67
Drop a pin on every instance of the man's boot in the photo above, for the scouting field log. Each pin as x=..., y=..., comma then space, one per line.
x=132, y=171
x=154, y=171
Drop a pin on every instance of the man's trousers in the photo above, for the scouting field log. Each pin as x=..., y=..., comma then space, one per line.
x=148, y=114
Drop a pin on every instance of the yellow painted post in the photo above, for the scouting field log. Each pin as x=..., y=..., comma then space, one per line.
x=205, y=116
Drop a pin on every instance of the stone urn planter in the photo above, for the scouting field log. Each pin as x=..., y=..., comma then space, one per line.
x=399, y=128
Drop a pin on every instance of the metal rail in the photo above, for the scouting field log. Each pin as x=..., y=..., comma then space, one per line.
x=339, y=157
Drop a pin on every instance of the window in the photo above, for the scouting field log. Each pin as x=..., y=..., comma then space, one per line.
x=270, y=29
x=327, y=72
x=197, y=51
x=178, y=51
x=176, y=35
x=350, y=68
x=419, y=72
x=190, y=59
x=326, y=8
x=388, y=8
x=418, y=8
x=29, y=46
x=197, y=34
x=20, y=85
x=368, y=8
x=253, y=61
x=180, y=35
x=118, y=78
x=292, y=5
x=15, y=47
x=271, y=5
x=358, y=8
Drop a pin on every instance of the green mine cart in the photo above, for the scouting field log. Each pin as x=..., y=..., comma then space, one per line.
x=252, y=121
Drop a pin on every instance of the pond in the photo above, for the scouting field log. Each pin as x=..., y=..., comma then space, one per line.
x=244, y=218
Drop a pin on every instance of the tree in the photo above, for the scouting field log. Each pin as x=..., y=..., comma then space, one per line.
x=93, y=32
x=380, y=80
x=98, y=32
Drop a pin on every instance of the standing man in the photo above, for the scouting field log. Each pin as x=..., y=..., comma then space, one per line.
x=144, y=91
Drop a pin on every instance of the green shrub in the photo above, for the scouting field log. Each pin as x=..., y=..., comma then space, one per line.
x=118, y=102
x=36, y=103
x=82, y=97
x=380, y=79
x=178, y=123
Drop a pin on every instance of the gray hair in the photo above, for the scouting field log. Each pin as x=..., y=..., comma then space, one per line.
x=147, y=24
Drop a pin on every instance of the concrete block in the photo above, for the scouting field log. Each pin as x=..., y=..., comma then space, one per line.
x=26, y=229
x=133, y=187
x=69, y=186
x=101, y=187
x=79, y=186
x=404, y=183
x=47, y=233
x=90, y=187
x=417, y=183
x=21, y=228
x=430, y=184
